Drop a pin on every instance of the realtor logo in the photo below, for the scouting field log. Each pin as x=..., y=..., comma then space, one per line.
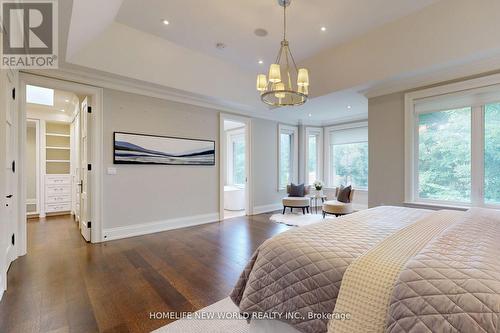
x=30, y=34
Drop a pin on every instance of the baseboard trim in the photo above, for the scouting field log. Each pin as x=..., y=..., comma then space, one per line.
x=158, y=226
x=267, y=208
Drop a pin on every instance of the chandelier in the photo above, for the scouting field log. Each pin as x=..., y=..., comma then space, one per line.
x=285, y=85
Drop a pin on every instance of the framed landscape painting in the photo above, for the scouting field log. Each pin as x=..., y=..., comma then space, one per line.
x=130, y=148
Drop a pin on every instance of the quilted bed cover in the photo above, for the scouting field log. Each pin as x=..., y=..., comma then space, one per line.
x=450, y=282
x=299, y=272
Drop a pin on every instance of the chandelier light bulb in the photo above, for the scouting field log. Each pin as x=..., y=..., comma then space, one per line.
x=274, y=73
x=261, y=82
x=303, y=78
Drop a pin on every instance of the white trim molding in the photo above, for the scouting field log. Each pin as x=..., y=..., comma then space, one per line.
x=474, y=93
x=294, y=131
x=318, y=132
x=158, y=226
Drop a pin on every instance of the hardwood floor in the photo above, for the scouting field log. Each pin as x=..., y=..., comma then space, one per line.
x=64, y=284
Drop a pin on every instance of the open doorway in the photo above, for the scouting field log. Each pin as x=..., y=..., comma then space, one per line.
x=59, y=157
x=54, y=185
x=234, y=150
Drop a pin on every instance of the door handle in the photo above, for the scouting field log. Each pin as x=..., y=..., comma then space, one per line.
x=81, y=186
x=9, y=196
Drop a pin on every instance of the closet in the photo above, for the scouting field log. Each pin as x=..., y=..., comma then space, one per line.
x=57, y=167
x=52, y=145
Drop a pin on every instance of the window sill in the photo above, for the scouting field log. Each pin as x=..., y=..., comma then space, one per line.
x=435, y=206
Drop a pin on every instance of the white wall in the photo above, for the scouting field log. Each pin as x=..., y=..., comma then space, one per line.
x=148, y=198
x=141, y=194
x=265, y=166
x=386, y=150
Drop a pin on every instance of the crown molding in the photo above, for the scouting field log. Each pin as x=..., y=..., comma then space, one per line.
x=109, y=81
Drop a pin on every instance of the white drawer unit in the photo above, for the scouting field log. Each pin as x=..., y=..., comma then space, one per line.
x=58, y=199
x=57, y=180
x=51, y=190
x=54, y=208
x=57, y=193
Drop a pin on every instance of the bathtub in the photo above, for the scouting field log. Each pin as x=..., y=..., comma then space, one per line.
x=234, y=197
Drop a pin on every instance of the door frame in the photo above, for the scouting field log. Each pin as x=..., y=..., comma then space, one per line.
x=37, y=167
x=96, y=98
x=248, y=165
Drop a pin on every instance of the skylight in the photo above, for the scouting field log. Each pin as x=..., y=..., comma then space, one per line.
x=39, y=95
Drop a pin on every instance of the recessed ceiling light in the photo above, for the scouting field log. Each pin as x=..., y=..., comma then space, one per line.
x=310, y=115
x=220, y=46
x=260, y=32
x=62, y=110
x=66, y=100
x=348, y=107
x=323, y=28
x=261, y=62
x=165, y=22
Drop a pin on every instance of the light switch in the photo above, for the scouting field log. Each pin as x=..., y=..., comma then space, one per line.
x=111, y=171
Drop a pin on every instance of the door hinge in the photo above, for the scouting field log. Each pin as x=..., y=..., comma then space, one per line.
x=13, y=93
x=89, y=224
x=14, y=166
x=89, y=109
x=13, y=239
x=89, y=167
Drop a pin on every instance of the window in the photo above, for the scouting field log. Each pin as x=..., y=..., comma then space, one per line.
x=444, y=155
x=313, y=148
x=348, y=156
x=453, y=144
x=492, y=153
x=239, y=160
x=287, y=155
x=236, y=157
x=39, y=95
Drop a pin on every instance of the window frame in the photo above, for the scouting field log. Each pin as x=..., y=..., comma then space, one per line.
x=294, y=173
x=464, y=90
x=328, y=156
x=318, y=132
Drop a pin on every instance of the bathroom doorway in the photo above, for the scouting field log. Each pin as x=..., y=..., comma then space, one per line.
x=234, y=166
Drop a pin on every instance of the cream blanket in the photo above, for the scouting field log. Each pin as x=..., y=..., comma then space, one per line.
x=369, y=281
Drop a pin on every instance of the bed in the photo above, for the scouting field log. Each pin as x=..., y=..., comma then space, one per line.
x=386, y=269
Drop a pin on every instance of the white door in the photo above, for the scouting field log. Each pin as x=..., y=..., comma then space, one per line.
x=76, y=166
x=84, y=172
x=11, y=171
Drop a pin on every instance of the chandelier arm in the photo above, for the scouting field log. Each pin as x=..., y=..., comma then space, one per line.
x=288, y=68
x=278, y=57
x=293, y=60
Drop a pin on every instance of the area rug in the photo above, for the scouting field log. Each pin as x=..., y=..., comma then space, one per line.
x=298, y=220
x=220, y=317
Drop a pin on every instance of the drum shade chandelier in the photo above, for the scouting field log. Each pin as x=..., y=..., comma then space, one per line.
x=285, y=85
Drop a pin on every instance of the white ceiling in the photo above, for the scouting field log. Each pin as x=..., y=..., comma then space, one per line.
x=199, y=25
x=369, y=47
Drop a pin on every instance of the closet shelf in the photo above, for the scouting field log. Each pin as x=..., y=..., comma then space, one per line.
x=62, y=148
x=57, y=134
x=57, y=161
